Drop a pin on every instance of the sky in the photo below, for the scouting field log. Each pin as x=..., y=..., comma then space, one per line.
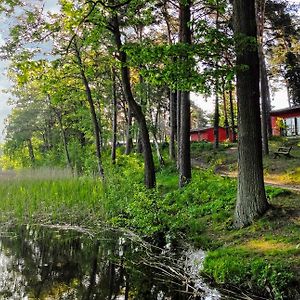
x=279, y=98
x=51, y=6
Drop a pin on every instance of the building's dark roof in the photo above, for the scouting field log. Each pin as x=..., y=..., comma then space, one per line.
x=278, y=112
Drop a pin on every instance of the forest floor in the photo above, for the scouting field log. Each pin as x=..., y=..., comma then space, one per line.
x=283, y=172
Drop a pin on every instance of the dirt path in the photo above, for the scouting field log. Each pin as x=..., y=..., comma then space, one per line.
x=268, y=182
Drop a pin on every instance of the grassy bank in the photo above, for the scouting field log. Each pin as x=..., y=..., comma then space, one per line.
x=263, y=257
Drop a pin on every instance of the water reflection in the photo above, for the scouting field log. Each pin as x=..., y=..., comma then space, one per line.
x=43, y=263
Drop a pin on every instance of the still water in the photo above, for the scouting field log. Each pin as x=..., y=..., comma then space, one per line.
x=63, y=263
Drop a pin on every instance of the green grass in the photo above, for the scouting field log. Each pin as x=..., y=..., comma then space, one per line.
x=282, y=170
x=267, y=275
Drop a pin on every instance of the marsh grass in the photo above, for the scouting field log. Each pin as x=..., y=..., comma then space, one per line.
x=45, y=173
x=49, y=195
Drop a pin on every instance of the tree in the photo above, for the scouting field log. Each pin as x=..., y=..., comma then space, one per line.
x=264, y=82
x=283, y=45
x=251, y=197
x=114, y=117
x=184, y=158
x=149, y=175
x=89, y=97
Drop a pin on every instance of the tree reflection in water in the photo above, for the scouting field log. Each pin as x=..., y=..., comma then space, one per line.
x=43, y=263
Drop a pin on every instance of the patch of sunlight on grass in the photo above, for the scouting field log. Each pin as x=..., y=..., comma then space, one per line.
x=267, y=246
x=286, y=178
x=56, y=291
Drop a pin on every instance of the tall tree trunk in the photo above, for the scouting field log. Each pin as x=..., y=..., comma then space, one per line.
x=63, y=137
x=232, y=116
x=226, y=123
x=89, y=97
x=129, y=144
x=159, y=155
x=178, y=116
x=114, y=120
x=139, y=144
x=155, y=139
x=264, y=75
x=264, y=85
x=31, y=151
x=264, y=105
x=251, y=197
x=216, y=117
x=102, y=142
x=288, y=91
x=217, y=108
x=172, y=95
x=149, y=174
x=173, y=125
x=185, y=173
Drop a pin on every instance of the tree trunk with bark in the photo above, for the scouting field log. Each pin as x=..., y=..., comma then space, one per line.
x=89, y=97
x=172, y=95
x=251, y=197
x=264, y=105
x=216, y=118
x=226, y=123
x=102, y=141
x=155, y=138
x=63, y=137
x=31, y=151
x=217, y=105
x=264, y=83
x=232, y=116
x=185, y=173
x=129, y=143
x=114, y=119
x=178, y=116
x=264, y=75
x=173, y=125
x=139, y=143
x=159, y=155
x=149, y=174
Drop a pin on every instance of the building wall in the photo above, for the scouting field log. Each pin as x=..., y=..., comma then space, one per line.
x=289, y=126
x=275, y=127
x=208, y=135
x=195, y=137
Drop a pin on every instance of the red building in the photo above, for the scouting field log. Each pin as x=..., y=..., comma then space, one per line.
x=207, y=134
x=286, y=121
